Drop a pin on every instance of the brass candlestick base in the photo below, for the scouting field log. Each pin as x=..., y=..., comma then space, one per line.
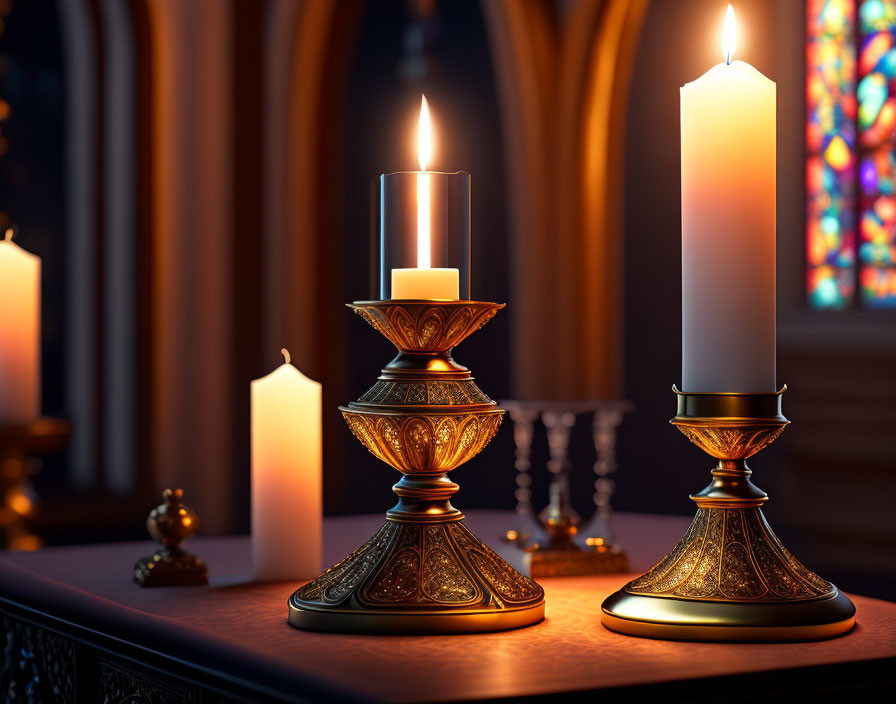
x=560, y=556
x=423, y=571
x=730, y=578
x=575, y=561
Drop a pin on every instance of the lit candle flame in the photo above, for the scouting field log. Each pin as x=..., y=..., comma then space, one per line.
x=424, y=153
x=729, y=35
x=424, y=135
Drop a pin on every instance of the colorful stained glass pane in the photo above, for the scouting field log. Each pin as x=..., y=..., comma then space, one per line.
x=830, y=287
x=831, y=146
x=877, y=147
x=879, y=286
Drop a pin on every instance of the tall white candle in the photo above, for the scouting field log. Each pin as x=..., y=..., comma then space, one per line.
x=728, y=228
x=287, y=506
x=424, y=281
x=19, y=332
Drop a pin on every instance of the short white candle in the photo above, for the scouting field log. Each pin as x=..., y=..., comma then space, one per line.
x=19, y=332
x=426, y=283
x=287, y=502
x=728, y=228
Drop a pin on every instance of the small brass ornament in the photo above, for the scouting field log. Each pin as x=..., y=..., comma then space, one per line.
x=171, y=523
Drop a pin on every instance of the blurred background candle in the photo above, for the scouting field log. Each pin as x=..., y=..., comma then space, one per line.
x=287, y=490
x=728, y=227
x=424, y=281
x=19, y=332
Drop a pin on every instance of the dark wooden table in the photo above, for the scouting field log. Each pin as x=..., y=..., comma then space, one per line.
x=77, y=629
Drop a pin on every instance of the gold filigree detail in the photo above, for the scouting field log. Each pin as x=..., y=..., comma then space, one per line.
x=457, y=570
x=399, y=580
x=463, y=392
x=731, y=442
x=444, y=577
x=334, y=585
x=502, y=579
x=731, y=555
x=427, y=327
x=425, y=443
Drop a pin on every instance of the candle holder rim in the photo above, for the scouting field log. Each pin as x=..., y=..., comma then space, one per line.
x=373, y=409
x=779, y=392
x=390, y=302
x=728, y=421
x=729, y=408
x=428, y=171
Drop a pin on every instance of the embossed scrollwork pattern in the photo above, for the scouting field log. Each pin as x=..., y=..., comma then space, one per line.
x=731, y=555
x=423, y=567
x=425, y=393
x=427, y=327
x=336, y=584
x=444, y=578
x=425, y=443
x=508, y=584
x=735, y=442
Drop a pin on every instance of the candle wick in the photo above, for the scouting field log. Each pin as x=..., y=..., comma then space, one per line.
x=285, y=353
x=7, y=236
x=728, y=58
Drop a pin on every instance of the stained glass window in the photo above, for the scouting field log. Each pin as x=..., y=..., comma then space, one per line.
x=851, y=153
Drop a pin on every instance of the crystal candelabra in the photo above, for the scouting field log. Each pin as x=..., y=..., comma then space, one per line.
x=423, y=571
x=526, y=525
x=604, y=426
x=730, y=578
x=556, y=543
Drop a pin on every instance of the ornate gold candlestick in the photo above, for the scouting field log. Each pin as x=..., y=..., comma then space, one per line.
x=730, y=578
x=423, y=571
x=19, y=443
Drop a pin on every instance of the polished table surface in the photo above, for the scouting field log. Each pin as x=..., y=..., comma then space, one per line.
x=237, y=629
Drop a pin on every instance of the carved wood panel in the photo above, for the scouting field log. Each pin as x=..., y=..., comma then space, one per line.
x=37, y=665
x=123, y=685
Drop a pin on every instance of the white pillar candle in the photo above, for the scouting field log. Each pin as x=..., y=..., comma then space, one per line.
x=287, y=512
x=728, y=228
x=19, y=333
x=424, y=281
